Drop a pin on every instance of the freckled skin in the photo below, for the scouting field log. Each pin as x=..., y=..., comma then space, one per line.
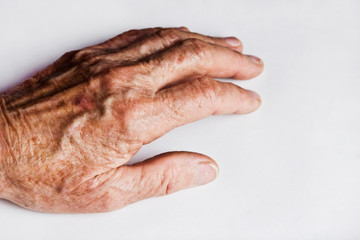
x=66, y=133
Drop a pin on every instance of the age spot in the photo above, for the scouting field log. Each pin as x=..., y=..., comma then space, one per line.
x=84, y=102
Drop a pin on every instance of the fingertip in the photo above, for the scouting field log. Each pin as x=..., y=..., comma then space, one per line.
x=216, y=168
x=206, y=173
x=254, y=67
x=234, y=43
x=253, y=94
x=248, y=101
x=207, y=170
x=258, y=63
x=203, y=169
x=254, y=59
x=255, y=102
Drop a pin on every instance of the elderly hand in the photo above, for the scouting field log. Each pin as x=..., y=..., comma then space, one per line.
x=67, y=132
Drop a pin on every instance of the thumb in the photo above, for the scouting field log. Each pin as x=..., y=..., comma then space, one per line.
x=171, y=172
x=157, y=176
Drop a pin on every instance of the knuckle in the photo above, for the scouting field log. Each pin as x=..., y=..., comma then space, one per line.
x=65, y=60
x=209, y=90
x=69, y=55
x=82, y=54
x=127, y=116
x=130, y=32
x=169, y=35
x=195, y=47
x=168, y=183
x=129, y=35
x=194, y=50
x=93, y=59
x=130, y=114
x=96, y=64
x=127, y=81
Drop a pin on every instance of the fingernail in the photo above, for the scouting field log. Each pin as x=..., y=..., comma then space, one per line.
x=254, y=94
x=233, y=41
x=207, y=172
x=254, y=59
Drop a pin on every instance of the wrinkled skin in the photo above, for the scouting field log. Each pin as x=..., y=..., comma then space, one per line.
x=66, y=133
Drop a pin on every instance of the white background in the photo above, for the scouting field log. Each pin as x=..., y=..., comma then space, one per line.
x=289, y=171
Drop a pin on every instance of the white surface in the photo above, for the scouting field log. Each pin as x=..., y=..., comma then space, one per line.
x=289, y=171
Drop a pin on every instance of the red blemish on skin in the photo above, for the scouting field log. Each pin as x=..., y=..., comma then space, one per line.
x=84, y=102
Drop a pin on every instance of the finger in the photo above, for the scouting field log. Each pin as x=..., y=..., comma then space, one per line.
x=194, y=58
x=163, y=39
x=171, y=172
x=167, y=37
x=125, y=39
x=160, y=175
x=191, y=101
